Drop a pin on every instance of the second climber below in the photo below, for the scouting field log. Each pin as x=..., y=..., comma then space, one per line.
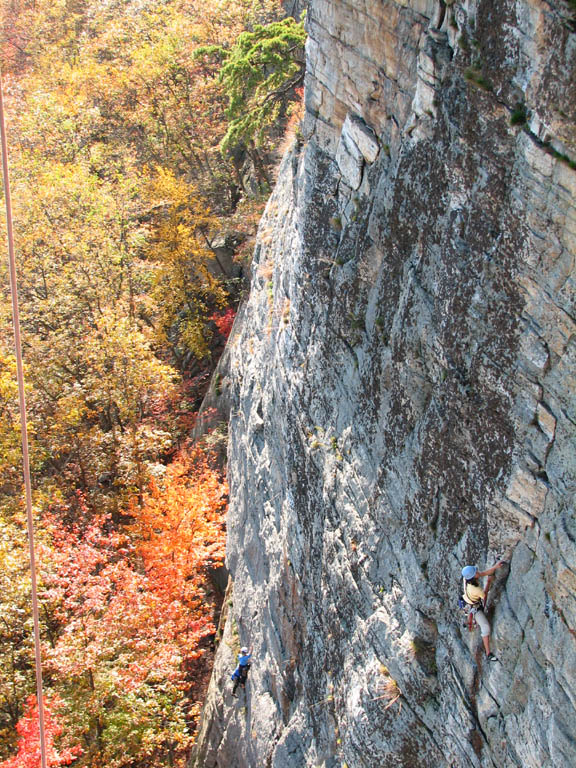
x=475, y=597
x=240, y=674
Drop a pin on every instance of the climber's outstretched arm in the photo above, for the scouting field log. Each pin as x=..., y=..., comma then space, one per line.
x=490, y=571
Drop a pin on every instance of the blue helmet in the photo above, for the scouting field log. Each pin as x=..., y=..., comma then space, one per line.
x=469, y=571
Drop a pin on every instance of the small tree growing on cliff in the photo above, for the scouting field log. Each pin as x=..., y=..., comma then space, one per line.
x=259, y=74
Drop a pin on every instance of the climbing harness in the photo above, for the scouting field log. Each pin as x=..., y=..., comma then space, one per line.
x=466, y=603
x=240, y=673
x=23, y=427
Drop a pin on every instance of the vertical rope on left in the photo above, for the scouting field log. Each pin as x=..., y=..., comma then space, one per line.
x=23, y=426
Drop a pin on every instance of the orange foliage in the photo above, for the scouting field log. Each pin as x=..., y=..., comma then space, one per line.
x=138, y=610
x=180, y=526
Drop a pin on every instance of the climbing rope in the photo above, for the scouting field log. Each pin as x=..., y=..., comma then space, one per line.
x=23, y=426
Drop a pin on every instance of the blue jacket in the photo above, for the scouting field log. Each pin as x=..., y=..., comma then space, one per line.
x=243, y=661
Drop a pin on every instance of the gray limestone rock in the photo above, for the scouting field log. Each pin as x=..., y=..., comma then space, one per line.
x=402, y=402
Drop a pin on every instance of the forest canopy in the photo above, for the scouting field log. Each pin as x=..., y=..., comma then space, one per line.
x=136, y=193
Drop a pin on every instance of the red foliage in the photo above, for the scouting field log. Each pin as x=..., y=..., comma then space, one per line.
x=28, y=755
x=139, y=596
x=224, y=321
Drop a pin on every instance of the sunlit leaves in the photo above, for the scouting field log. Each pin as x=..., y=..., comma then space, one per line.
x=126, y=74
x=28, y=747
x=10, y=446
x=180, y=525
x=185, y=287
x=224, y=321
x=136, y=611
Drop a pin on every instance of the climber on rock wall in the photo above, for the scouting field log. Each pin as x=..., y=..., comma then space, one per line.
x=475, y=597
x=240, y=674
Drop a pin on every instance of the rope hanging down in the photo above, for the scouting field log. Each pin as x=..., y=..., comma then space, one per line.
x=23, y=426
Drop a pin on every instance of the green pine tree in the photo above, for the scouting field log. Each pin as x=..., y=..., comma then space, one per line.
x=259, y=75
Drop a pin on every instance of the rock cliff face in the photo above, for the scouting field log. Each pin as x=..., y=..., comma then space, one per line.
x=402, y=382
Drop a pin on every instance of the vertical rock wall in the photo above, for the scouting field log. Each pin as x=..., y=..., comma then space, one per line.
x=403, y=386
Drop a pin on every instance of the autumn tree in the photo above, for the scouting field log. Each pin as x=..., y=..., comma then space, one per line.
x=28, y=754
x=137, y=610
x=117, y=674
x=179, y=528
x=184, y=284
x=9, y=423
x=88, y=325
x=159, y=100
x=224, y=321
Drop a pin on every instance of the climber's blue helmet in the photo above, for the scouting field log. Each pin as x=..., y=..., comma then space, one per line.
x=469, y=571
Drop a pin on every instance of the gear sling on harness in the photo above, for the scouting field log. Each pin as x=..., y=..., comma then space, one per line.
x=465, y=602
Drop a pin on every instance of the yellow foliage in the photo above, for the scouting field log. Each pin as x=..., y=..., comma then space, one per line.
x=183, y=285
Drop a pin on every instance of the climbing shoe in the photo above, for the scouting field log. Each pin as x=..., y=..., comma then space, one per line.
x=491, y=657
